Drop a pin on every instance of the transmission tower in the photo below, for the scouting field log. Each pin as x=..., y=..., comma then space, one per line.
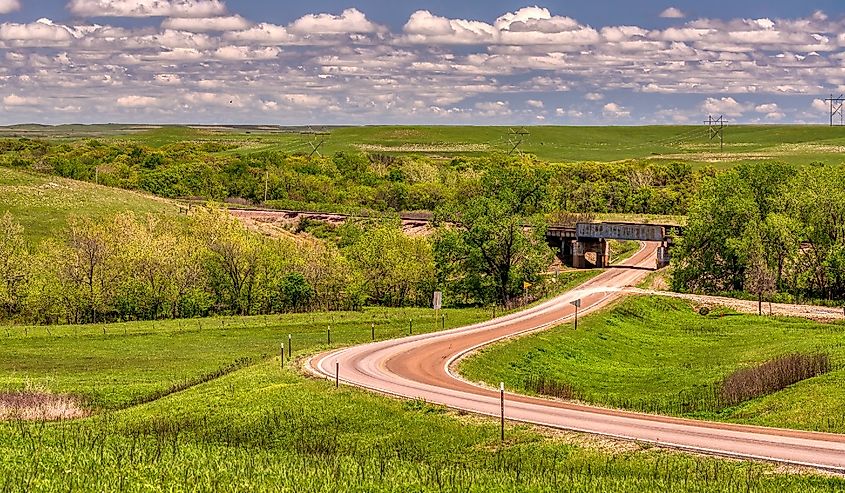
x=317, y=141
x=836, y=109
x=516, y=138
x=716, y=128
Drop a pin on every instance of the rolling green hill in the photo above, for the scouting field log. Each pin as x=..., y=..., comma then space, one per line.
x=42, y=204
x=659, y=355
x=800, y=144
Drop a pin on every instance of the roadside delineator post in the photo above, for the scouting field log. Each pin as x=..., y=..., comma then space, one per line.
x=502, y=401
x=329, y=335
x=337, y=374
x=577, y=305
x=282, y=356
x=290, y=345
x=373, y=331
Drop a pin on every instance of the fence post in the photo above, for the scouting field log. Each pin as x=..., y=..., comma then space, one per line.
x=502, y=400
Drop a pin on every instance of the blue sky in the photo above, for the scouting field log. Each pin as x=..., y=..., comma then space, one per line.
x=437, y=62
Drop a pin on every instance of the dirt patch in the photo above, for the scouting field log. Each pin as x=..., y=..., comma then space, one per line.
x=812, y=312
x=40, y=406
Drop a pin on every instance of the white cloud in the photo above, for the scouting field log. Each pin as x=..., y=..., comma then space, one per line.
x=136, y=101
x=206, y=24
x=264, y=33
x=147, y=8
x=594, y=96
x=348, y=22
x=615, y=110
x=766, y=108
x=15, y=100
x=727, y=106
x=41, y=30
x=535, y=103
x=820, y=105
x=246, y=53
x=9, y=6
x=673, y=13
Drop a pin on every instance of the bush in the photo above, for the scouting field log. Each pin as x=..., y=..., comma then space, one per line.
x=770, y=377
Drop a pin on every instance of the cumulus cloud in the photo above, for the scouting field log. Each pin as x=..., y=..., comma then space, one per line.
x=344, y=67
x=9, y=6
x=16, y=100
x=615, y=110
x=41, y=30
x=349, y=21
x=147, y=8
x=673, y=13
x=136, y=101
x=206, y=24
x=724, y=106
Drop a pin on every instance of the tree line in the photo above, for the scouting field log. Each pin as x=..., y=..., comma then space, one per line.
x=349, y=181
x=148, y=267
x=771, y=229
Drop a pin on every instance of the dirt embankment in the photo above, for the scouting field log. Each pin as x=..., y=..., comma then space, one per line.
x=288, y=220
x=821, y=313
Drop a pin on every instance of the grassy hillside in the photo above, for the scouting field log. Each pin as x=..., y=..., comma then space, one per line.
x=261, y=428
x=43, y=204
x=114, y=365
x=800, y=144
x=659, y=355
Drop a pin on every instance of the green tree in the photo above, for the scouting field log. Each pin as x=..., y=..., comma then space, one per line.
x=494, y=241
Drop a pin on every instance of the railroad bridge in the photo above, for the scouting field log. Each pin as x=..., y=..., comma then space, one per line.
x=576, y=245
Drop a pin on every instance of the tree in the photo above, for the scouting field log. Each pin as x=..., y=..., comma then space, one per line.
x=397, y=269
x=495, y=242
x=14, y=266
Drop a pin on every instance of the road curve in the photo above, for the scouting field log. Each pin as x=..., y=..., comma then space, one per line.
x=421, y=367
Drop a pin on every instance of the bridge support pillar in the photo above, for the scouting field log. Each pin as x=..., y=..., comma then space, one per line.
x=602, y=249
x=663, y=256
x=579, y=259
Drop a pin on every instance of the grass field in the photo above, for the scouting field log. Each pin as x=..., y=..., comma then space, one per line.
x=113, y=366
x=43, y=204
x=659, y=355
x=800, y=144
x=265, y=428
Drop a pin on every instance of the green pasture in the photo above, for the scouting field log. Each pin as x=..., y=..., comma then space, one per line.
x=42, y=204
x=659, y=355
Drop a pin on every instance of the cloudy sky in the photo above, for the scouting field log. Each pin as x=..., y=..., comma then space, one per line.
x=406, y=61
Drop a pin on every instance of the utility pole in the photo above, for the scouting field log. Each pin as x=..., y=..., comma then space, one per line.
x=317, y=141
x=836, y=105
x=516, y=138
x=716, y=128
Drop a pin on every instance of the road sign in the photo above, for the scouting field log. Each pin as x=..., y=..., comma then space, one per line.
x=437, y=302
x=576, y=303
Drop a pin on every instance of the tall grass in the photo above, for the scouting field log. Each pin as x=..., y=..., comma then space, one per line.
x=740, y=386
x=771, y=376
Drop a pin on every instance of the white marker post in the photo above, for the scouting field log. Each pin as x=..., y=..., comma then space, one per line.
x=290, y=345
x=282, y=356
x=502, y=401
x=577, y=305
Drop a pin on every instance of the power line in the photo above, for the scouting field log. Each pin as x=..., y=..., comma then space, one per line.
x=836, y=108
x=716, y=128
x=317, y=141
x=516, y=138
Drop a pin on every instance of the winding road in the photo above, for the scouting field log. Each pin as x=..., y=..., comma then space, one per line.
x=422, y=367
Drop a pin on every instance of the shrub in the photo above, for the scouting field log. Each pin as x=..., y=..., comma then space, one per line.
x=771, y=376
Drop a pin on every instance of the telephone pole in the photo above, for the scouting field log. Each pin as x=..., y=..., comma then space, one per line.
x=317, y=141
x=716, y=128
x=836, y=109
x=516, y=138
